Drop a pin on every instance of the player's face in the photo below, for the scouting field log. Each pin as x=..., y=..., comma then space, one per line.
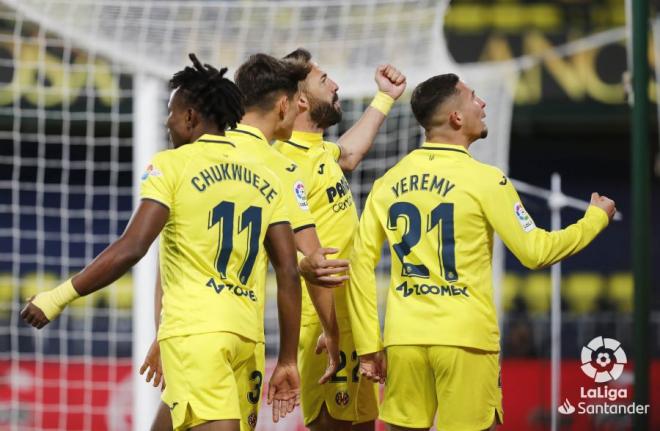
x=291, y=110
x=321, y=94
x=177, y=120
x=474, y=112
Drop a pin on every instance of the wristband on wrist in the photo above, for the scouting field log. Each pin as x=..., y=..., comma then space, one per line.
x=382, y=102
x=55, y=300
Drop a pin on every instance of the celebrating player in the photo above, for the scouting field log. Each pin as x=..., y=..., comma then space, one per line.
x=214, y=207
x=271, y=105
x=438, y=209
x=344, y=399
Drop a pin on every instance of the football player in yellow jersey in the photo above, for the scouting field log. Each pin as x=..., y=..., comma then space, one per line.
x=344, y=402
x=214, y=206
x=263, y=80
x=438, y=209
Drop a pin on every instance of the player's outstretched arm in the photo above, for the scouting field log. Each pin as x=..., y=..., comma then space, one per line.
x=113, y=262
x=535, y=247
x=357, y=140
x=284, y=385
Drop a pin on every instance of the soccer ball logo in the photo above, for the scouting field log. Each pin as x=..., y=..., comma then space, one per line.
x=603, y=359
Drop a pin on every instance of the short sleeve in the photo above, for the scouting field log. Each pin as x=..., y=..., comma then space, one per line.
x=280, y=212
x=158, y=181
x=335, y=150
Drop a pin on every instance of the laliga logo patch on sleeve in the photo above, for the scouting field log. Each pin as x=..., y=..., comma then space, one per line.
x=524, y=219
x=151, y=171
x=301, y=196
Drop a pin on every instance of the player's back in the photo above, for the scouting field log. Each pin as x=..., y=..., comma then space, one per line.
x=221, y=203
x=429, y=206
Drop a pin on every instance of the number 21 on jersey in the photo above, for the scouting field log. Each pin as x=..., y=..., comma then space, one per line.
x=442, y=217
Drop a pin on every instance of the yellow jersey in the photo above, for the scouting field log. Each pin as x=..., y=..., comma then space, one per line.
x=330, y=200
x=221, y=203
x=294, y=181
x=438, y=208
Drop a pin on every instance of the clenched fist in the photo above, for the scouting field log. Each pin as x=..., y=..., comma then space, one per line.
x=604, y=203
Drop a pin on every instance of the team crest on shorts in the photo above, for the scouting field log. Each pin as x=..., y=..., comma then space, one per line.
x=342, y=398
x=252, y=420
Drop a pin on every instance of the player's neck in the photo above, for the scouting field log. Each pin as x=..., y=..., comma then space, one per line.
x=444, y=137
x=261, y=121
x=304, y=123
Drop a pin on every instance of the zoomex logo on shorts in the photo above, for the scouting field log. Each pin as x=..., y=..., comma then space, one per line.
x=603, y=359
x=342, y=398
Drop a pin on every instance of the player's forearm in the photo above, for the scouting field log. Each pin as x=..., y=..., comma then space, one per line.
x=109, y=266
x=362, y=305
x=289, y=308
x=543, y=248
x=158, y=298
x=324, y=303
x=307, y=241
x=358, y=140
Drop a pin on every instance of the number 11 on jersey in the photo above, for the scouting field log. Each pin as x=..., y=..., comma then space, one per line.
x=250, y=220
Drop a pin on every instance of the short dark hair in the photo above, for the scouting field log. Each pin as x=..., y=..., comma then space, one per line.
x=428, y=96
x=206, y=89
x=300, y=54
x=262, y=77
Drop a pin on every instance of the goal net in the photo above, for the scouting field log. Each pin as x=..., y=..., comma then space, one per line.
x=82, y=106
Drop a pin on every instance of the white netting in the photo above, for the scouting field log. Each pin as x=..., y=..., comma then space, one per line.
x=68, y=76
x=65, y=193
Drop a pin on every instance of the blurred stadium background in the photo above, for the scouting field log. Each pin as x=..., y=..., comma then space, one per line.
x=82, y=105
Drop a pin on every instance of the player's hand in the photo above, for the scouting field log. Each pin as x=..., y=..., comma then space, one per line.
x=390, y=80
x=374, y=366
x=284, y=389
x=319, y=271
x=604, y=203
x=33, y=315
x=329, y=344
x=154, y=366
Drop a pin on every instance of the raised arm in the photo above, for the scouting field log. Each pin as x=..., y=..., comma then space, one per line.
x=113, y=262
x=535, y=247
x=356, y=141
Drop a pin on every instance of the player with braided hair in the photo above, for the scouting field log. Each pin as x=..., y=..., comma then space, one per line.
x=207, y=90
x=215, y=209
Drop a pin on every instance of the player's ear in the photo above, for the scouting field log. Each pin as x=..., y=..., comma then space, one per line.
x=282, y=106
x=190, y=118
x=303, y=103
x=456, y=119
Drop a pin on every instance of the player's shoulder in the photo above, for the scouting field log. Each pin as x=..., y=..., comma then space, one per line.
x=333, y=148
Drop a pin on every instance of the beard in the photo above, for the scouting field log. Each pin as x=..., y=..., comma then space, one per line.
x=324, y=114
x=484, y=133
